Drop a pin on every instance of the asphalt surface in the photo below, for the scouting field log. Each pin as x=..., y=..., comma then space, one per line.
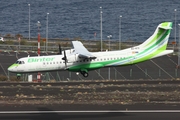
x=94, y=116
x=130, y=99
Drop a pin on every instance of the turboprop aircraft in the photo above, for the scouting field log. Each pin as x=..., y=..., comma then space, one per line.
x=79, y=59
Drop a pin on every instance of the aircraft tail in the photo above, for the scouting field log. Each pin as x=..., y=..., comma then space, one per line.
x=157, y=43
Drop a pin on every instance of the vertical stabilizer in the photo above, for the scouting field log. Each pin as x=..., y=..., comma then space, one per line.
x=159, y=39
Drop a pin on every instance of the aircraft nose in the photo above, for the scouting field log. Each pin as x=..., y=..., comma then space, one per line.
x=11, y=68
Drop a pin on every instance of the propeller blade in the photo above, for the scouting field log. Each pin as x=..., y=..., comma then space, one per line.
x=60, y=50
x=65, y=58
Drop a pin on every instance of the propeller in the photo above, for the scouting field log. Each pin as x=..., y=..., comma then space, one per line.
x=65, y=58
x=60, y=50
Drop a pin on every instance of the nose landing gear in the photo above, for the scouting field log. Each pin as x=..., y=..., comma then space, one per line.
x=18, y=76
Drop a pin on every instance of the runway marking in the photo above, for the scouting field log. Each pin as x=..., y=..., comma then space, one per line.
x=92, y=111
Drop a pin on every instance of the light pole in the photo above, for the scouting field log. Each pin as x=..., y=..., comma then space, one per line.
x=38, y=24
x=29, y=21
x=179, y=48
x=109, y=50
x=175, y=27
x=47, y=34
x=109, y=41
x=101, y=26
x=120, y=32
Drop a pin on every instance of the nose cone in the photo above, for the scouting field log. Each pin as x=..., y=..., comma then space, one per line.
x=12, y=68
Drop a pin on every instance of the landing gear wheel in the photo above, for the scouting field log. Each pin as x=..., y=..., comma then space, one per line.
x=18, y=77
x=85, y=74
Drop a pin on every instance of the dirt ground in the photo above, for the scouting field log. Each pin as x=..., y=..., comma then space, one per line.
x=91, y=93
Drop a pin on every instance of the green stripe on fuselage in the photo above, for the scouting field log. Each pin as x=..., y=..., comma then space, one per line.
x=13, y=65
x=150, y=55
x=95, y=65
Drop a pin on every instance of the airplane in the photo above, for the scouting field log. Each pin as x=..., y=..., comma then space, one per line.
x=79, y=59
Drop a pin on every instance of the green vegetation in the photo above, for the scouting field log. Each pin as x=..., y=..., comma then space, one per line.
x=9, y=42
x=23, y=42
x=12, y=78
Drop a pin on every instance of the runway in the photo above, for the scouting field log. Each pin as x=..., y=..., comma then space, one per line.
x=91, y=111
x=89, y=115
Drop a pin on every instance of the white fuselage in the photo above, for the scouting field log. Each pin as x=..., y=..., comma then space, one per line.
x=55, y=62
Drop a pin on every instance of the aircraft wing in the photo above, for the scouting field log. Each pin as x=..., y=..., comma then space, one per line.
x=82, y=51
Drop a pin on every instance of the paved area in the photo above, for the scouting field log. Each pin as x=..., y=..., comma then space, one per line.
x=129, y=99
x=94, y=116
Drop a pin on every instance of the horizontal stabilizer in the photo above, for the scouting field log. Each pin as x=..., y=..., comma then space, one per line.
x=166, y=28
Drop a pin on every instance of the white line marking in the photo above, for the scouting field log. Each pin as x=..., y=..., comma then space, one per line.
x=91, y=111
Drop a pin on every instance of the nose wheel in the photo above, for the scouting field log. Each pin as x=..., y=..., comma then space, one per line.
x=84, y=73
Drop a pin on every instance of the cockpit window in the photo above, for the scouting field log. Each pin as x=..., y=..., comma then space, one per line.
x=19, y=62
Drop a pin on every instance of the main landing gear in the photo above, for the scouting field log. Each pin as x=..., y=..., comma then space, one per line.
x=84, y=73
